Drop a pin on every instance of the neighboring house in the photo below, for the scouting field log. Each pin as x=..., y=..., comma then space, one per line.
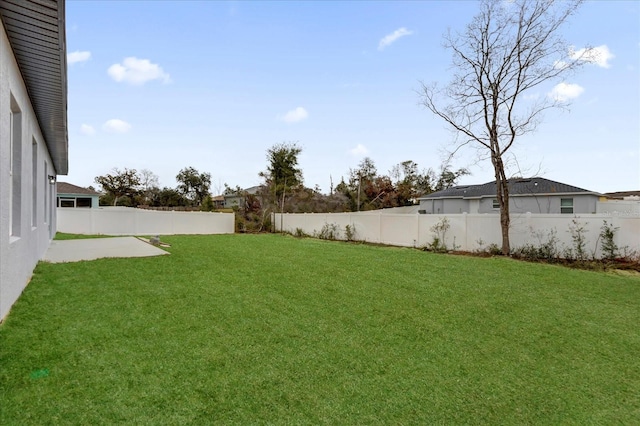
x=624, y=203
x=33, y=136
x=237, y=199
x=76, y=196
x=218, y=201
x=534, y=195
x=623, y=195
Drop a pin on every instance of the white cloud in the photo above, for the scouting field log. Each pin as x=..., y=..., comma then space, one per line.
x=116, y=126
x=390, y=38
x=560, y=64
x=78, y=56
x=295, y=115
x=600, y=55
x=565, y=91
x=137, y=71
x=87, y=130
x=359, y=151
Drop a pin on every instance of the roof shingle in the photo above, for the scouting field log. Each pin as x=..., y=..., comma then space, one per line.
x=528, y=186
x=67, y=188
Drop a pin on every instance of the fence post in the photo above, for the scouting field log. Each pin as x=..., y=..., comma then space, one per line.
x=466, y=233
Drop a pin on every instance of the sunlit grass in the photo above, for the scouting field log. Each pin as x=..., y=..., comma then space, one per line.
x=240, y=329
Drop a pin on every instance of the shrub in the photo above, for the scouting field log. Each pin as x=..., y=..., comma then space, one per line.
x=546, y=250
x=300, y=233
x=350, y=232
x=577, y=230
x=329, y=231
x=439, y=242
x=494, y=250
x=609, y=247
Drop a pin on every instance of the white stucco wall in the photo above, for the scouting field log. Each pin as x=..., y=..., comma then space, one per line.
x=20, y=254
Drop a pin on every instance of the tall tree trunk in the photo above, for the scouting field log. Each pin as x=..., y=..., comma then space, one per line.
x=502, y=192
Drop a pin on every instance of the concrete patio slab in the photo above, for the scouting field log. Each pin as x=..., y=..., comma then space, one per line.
x=97, y=248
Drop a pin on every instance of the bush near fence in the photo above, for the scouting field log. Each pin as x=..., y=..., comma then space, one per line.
x=467, y=232
x=132, y=221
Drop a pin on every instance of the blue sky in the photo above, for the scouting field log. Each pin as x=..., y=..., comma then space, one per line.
x=163, y=85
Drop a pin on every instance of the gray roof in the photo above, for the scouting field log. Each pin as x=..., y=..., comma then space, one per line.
x=520, y=187
x=36, y=31
x=67, y=188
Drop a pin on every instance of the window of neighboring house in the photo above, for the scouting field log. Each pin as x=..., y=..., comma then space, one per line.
x=83, y=202
x=34, y=183
x=566, y=205
x=66, y=202
x=15, y=167
x=496, y=204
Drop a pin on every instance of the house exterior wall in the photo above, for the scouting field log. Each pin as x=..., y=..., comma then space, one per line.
x=95, y=199
x=543, y=204
x=445, y=206
x=620, y=207
x=21, y=246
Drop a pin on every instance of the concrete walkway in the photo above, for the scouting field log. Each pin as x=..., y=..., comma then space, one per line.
x=96, y=248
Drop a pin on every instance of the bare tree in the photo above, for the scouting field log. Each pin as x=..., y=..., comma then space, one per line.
x=149, y=184
x=508, y=49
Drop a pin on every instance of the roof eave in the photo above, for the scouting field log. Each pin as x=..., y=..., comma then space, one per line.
x=47, y=92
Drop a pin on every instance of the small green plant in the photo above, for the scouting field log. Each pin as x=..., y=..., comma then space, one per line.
x=629, y=255
x=299, y=232
x=329, y=231
x=579, y=251
x=610, y=249
x=494, y=250
x=350, y=232
x=439, y=242
x=547, y=248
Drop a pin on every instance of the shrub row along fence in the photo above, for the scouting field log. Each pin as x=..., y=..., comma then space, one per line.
x=132, y=221
x=470, y=232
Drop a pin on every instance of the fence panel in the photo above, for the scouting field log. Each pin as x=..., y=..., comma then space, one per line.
x=130, y=221
x=399, y=230
x=471, y=232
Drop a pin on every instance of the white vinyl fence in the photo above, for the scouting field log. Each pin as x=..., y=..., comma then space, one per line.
x=467, y=232
x=131, y=221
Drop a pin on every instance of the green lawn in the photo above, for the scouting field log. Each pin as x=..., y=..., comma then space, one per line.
x=245, y=329
x=63, y=236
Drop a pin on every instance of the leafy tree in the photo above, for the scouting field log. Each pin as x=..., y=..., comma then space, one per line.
x=380, y=193
x=410, y=183
x=193, y=185
x=120, y=183
x=507, y=50
x=170, y=197
x=448, y=177
x=361, y=182
x=207, y=204
x=283, y=172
